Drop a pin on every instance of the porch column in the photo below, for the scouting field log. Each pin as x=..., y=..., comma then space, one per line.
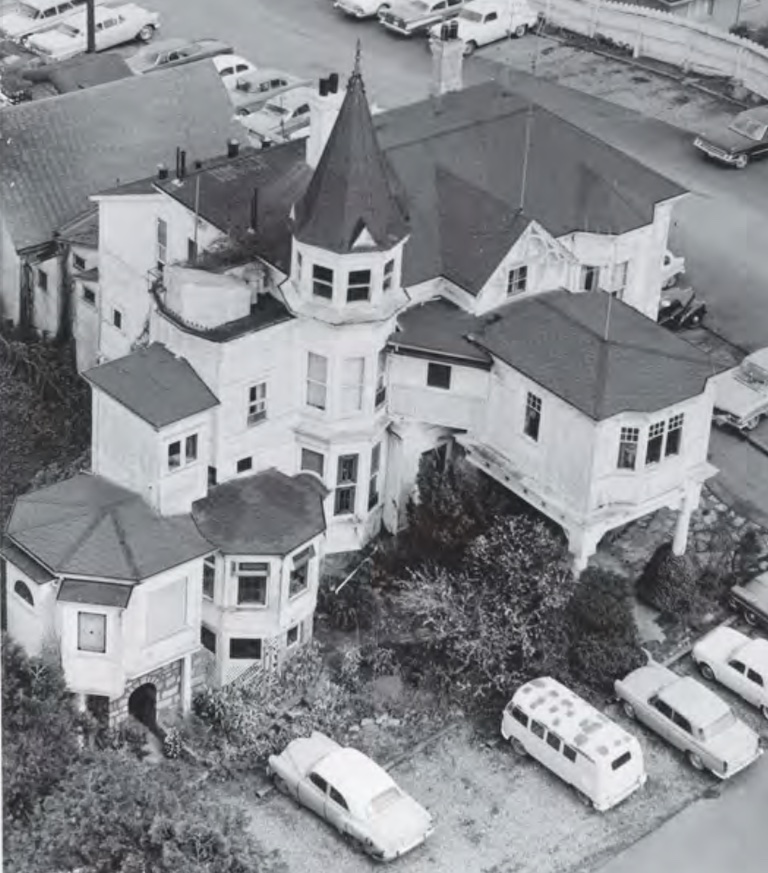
x=687, y=505
x=186, y=684
x=582, y=544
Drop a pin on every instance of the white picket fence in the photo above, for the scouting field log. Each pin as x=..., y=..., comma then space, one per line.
x=690, y=45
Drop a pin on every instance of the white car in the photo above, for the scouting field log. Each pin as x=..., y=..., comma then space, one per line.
x=230, y=67
x=741, y=393
x=252, y=90
x=672, y=267
x=115, y=25
x=362, y=8
x=485, y=21
x=736, y=661
x=352, y=793
x=280, y=119
x=22, y=19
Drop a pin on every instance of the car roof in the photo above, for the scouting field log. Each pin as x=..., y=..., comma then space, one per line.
x=485, y=6
x=292, y=98
x=694, y=701
x=356, y=776
x=757, y=113
x=758, y=585
x=755, y=654
x=574, y=720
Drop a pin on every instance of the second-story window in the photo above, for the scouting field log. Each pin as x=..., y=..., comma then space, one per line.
x=257, y=403
x=439, y=376
x=162, y=243
x=373, y=480
x=178, y=459
x=209, y=577
x=346, y=485
x=517, y=280
x=299, y=581
x=91, y=632
x=655, y=442
x=322, y=282
x=532, y=416
x=628, y=440
x=358, y=286
x=389, y=274
x=381, y=378
x=674, y=435
x=317, y=380
x=252, y=581
x=117, y=318
x=589, y=278
x=353, y=384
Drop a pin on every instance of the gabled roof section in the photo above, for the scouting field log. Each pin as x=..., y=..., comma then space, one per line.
x=353, y=189
x=266, y=514
x=55, y=153
x=154, y=384
x=439, y=328
x=595, y=352
x=20, y=559
x=87, y=526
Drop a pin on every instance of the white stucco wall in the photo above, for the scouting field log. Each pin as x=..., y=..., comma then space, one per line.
x=10, y=275
x=178, y=488
x=31, y=626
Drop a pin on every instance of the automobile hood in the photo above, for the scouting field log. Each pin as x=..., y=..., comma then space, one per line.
x=14, y=25
x=402, y=825
x=734, y=396
x=52, y=42
x=736, y=745
x=717, y=645
x=725, y=138
x=407, y=11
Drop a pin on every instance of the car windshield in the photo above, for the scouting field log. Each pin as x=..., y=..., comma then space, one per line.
x=748, y=127
x=383, y=801
x=28, y=11
x=276, y=109
x=469, y=15
x=726, y=720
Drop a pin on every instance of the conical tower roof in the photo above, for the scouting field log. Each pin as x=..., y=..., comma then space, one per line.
x=353, y=189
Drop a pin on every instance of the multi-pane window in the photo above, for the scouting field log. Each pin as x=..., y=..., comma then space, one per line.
x=313, y=462
x=322, y=282
x=317, y=380
x=439, y=376
x=532, y=416
x=162, y=243
x=257, y=403
x=299, y=580
x=117, y=318
x=373, y=481
x=175, y=457
x=628, y=441
x=346, y=485
x=89, y=295
x=358, y=286
x=42, y=280
x=619, y=278
x=674, y=435
x=353, y=384
x=381, y=378
x=244, y=649
x=244, y=464
x=589, y=278
x=252, y=581
x=91, y=632
x=389, y=274
x=209, y=577
x=655, y=442
x=208, y=638
x=517, y=280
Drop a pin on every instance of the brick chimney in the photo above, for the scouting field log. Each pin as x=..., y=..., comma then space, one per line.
x=324, y=110
x=447, y=59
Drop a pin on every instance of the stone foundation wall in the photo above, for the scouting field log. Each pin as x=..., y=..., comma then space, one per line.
x=203, y=669
x=168, y=682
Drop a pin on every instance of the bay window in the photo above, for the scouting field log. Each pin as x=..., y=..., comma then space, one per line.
x=628, y=441
x=346, y=485
x=317, y=380
x=353, y=384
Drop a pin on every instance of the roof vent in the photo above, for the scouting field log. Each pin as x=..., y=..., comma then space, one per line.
x=233, y=148
x=333, y=83
x=322, y=86
x=162, y=171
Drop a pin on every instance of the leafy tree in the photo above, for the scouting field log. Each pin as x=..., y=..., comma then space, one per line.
x=39, y=730
x=499, y=618
x=669, y=582
x=115, y=814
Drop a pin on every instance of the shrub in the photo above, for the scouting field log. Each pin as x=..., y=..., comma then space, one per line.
x=604, y=643
x=354, y=607
x=669, y=582
x=172, y=744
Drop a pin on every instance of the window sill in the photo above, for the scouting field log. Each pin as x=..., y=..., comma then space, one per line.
x=298, y=594
x=89, y=654
x=251, y=606
x=256, y=422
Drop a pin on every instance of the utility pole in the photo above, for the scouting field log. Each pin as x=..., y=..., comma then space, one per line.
x=91, y=25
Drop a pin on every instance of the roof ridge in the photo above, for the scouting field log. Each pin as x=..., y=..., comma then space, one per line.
x=123, y=540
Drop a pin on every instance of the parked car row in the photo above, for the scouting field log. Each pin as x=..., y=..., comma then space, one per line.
x=480, y=22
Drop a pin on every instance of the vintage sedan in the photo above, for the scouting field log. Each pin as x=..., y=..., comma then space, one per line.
x=252, y=90
x=409, y=17
x=230, y=67
x=690, y=717
x=115, y=25
x=741, y=393
x=362, y=8
x=482, y=22
x=746, y=137
x=352, y=793
x=19, y=20
x=751, y=599
x=736, y=661
x=163, y=55
x=280, y=119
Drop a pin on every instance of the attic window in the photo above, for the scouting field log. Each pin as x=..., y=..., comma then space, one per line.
x=517, y=280
x=358, y=286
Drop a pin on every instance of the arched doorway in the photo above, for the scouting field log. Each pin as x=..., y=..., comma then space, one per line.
x=142, y=705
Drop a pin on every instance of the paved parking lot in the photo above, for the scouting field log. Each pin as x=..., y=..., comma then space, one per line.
x=497, y=813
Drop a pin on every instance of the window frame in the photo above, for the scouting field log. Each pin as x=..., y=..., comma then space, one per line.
x=537, y=729
x=346, y=488
x=628, y=436
x=532, y=420
x=117, y=318
x=103, y=624
x=236, y=640
x=78, y=262
x=161, y=243
x=307, y=468
x=322, y=286
x=294, y=628
x=623, y=759
x=257, y=403
x=89, y=293
x=359, y=289
x=443, y=381
x=315, y=382
x=24, y=593
x=656, y=439
x=209, y=578
x=517, y=280
x=619, y=277
x=675, y=425
x=388, y=275
x=300, y=564
x=249, y=572
x=205, y=630
x=353, y=388
x=42, y=280
x=373, y=477
x=244, y=465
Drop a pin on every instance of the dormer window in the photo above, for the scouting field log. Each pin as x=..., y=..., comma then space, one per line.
x=358, y=286
x=322, y=282
x=517, y=280
x=389, y=273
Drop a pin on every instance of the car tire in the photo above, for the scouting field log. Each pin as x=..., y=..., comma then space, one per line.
x=518, y=748
x=750, y=618
x=586, y=801
x=146, y=33
x=521, y=30
x=695, y=761
x=706, y=671
x=470, y=48
x=741, y=162
x=629, y=710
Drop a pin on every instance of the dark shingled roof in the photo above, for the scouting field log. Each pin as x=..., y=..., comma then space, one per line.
x=19, y=558
x=83, y=229
x=87, y=526
x=266, y=514
x=557, y=339
x=97, y=593
x=56, y=152
x=353, y=187
x=439, y=327
x=154, y=384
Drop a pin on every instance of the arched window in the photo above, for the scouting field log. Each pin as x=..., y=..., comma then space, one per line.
x=23, y=591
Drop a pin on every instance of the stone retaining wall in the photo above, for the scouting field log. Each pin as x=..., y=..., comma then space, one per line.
x=168, y=682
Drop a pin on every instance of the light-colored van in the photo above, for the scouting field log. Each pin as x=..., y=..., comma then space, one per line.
x=601, y=760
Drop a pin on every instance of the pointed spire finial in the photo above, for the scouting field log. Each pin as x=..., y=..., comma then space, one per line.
x=358, y=51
